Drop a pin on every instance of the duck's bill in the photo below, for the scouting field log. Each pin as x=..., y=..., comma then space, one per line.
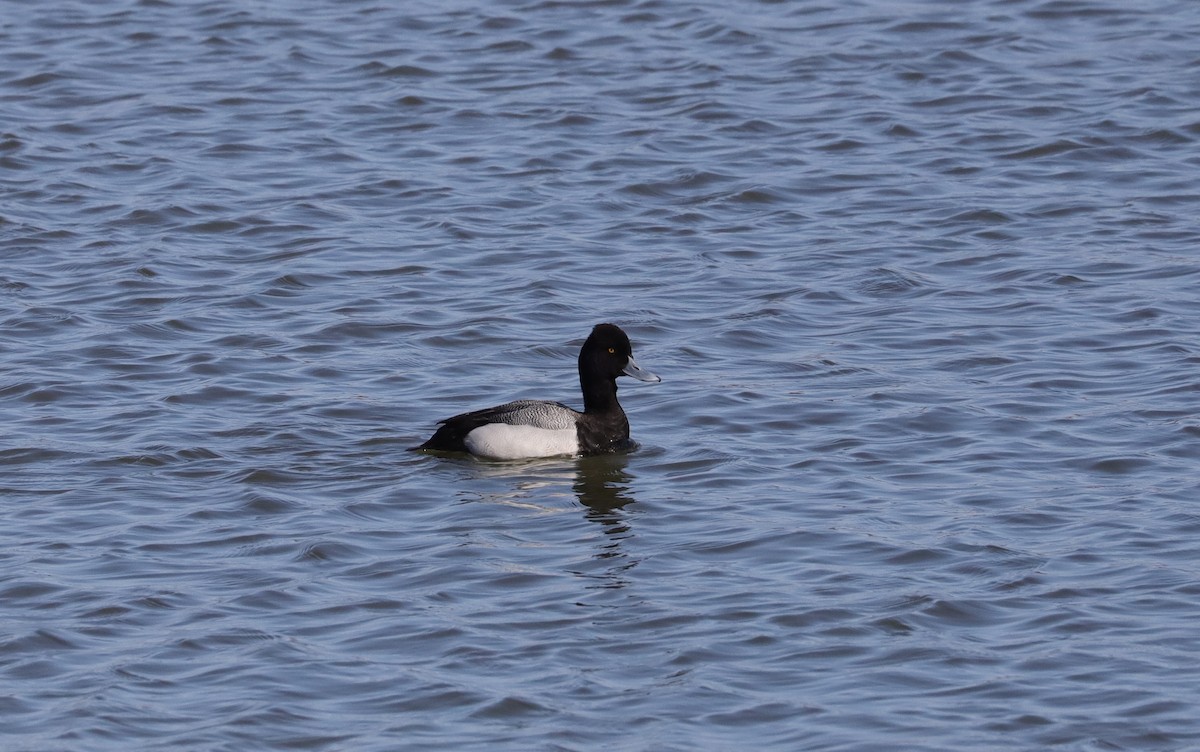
x=639, y=373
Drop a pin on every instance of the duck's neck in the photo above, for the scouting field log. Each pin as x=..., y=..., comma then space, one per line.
x=599, y=395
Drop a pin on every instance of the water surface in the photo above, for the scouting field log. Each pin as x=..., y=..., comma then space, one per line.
x=920, y=278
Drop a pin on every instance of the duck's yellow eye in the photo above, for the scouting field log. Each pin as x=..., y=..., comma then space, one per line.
x=612, y=351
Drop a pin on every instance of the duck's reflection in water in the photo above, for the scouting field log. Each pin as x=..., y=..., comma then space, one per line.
x=602, y=485
x=600, y=482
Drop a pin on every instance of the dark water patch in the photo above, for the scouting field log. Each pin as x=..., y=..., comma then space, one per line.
x=884, y=282
x=1120, y=465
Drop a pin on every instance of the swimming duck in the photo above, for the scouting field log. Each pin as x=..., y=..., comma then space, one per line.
x=535, y=428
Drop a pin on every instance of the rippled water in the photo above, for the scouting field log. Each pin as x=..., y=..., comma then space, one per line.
x=920, y=278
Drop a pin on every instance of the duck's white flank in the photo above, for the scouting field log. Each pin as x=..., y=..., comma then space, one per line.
x=505, y=441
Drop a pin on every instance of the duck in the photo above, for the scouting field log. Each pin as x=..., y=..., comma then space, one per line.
x=526, y=429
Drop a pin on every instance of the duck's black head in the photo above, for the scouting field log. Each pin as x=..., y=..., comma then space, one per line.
x=607, y=354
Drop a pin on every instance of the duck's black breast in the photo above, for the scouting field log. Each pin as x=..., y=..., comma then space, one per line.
x=603, y=432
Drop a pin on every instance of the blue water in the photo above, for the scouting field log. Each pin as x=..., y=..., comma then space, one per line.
x=920, y=279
